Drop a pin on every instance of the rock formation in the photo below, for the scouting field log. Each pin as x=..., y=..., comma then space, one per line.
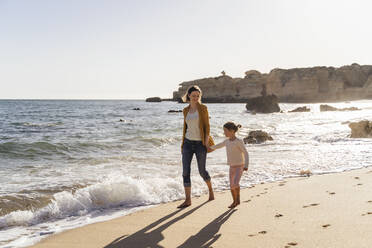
x=153, y=99
x=263, y=104
x=361, y=129
x=315, y=84
x=300, y=109
x=256, y=137
x=326, y=107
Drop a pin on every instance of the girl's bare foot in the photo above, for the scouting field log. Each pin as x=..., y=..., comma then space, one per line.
x=185, y=204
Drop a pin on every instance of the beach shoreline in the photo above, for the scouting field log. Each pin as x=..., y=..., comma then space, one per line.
x=329, y=210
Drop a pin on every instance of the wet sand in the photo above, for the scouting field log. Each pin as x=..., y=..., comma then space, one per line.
x=333, y=210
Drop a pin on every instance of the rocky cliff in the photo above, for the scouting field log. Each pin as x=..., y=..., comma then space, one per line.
x=315, y=84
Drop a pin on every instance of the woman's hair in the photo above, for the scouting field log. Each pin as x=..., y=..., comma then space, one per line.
x=232, y=126
x=186, y=98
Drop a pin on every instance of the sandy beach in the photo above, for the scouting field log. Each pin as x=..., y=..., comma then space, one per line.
x=332, y=210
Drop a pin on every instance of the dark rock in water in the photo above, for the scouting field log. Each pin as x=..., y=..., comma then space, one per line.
x=301, y=109
x=174, y=111
x=121, y=120
x=153, y=99
x=263, y=104
x=326, y=107
x=361, y=129
x=257, y=137
x=136, y=109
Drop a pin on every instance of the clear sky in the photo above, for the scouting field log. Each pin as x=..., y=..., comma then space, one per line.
x=133, y=49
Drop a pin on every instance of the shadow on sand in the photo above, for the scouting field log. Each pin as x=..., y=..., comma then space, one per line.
x=149, y=237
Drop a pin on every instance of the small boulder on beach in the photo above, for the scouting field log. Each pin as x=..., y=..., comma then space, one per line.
x=305, y=173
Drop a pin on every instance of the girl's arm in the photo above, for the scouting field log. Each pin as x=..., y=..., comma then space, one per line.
x=219, y=145
x=246, y=156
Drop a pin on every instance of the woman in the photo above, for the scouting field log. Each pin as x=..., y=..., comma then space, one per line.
x=196, y=140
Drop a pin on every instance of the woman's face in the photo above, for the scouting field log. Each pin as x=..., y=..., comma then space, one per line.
x=194, y=96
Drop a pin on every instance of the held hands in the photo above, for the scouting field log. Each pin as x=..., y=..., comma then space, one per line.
x=209, y=149
x=245, y=169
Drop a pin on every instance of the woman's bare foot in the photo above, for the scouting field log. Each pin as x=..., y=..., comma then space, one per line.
x=233, y=205
x=185, y=204
x=211, y=197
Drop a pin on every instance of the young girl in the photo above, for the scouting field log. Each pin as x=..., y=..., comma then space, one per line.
x=237, y=158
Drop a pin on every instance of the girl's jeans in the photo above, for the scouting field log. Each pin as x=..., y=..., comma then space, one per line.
x=189, y=148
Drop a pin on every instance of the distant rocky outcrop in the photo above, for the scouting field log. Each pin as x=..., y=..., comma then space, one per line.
x=300, y=109
x=153, y=99
x=174, y=111
x=257, y=137
x=361, y=129
x=263, y=104
x=325, y=107
x=314, y=84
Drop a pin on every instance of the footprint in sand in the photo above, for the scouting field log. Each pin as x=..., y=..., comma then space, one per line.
x=261, y=232
x=278, y=215
x=247, y=201
x=331, y=193
x=311, y=205
x=281, y=184
x=326, y=225
x=292, y=244
x=368, y=213
x=369, y=201
x=356, y=178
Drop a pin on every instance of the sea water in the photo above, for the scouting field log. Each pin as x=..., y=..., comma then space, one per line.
x=68, y=163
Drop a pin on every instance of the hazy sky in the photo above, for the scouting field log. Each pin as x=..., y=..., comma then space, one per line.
x=107, y=49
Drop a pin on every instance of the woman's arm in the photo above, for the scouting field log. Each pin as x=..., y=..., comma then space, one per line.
x=207, y=127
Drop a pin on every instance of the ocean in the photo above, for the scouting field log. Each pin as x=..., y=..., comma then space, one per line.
x=68, y=163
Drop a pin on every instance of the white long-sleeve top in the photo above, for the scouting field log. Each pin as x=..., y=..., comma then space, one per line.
x=236, y=152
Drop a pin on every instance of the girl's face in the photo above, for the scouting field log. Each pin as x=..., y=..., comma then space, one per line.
x=228, y=133
x=194, y=96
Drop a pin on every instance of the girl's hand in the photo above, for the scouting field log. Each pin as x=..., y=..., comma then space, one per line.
x=209, y=149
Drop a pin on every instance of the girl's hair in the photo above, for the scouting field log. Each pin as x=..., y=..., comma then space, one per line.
x=232, y=126
x=186, y=97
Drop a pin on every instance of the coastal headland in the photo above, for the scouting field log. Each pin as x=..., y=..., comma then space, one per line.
x=313, y=84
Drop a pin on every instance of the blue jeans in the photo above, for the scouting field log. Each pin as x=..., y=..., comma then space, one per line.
x=189, y=148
